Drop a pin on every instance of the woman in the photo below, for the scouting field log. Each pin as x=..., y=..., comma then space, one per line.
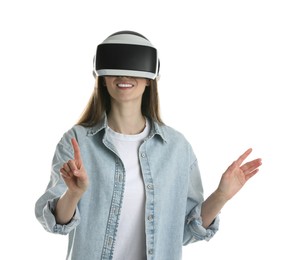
x=123, y=184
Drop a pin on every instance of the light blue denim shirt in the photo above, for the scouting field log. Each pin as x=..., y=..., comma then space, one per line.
x=173, y=187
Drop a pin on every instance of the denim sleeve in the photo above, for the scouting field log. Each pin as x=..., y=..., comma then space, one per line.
x=194, y=231
x=45, y=205
x=45, y=215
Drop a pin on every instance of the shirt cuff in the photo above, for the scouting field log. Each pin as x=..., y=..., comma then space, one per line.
x=195, y=224
x=50, y=221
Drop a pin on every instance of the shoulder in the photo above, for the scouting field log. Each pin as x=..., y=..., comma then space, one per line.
x=77, y=131
x=176, y=142
x=174, y=137
x=171, y=133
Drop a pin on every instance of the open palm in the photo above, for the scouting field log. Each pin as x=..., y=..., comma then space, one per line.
x=237, y=175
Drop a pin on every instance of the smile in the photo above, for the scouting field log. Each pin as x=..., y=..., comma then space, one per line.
x=125, y=85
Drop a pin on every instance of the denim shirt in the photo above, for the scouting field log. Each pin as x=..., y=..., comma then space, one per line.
x=173, y=188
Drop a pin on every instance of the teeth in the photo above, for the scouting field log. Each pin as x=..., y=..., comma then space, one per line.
x=124, y=85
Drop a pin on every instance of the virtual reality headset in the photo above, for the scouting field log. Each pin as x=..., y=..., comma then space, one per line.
x=126, y=53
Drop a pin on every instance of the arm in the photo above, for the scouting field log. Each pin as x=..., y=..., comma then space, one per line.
x=76, y=179
x=231, y=182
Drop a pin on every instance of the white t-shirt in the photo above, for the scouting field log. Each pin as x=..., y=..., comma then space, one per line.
x=130, y=240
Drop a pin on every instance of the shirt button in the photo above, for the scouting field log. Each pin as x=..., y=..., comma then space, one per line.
x=150, y=218
x=142, y=155
x=150, y=251
x=149, y=186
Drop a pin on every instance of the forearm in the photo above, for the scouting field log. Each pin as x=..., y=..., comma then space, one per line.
x=66, y=206
x=211, y=207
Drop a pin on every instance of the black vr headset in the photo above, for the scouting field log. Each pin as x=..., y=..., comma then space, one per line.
x=126, y=53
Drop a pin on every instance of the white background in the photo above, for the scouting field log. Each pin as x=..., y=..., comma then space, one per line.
x=230, y=80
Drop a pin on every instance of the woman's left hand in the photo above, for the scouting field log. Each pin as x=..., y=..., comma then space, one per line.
x=237, y=175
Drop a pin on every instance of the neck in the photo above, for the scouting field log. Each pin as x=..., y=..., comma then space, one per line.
x=126, y=121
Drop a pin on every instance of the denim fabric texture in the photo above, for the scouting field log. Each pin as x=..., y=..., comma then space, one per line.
x=173, y=187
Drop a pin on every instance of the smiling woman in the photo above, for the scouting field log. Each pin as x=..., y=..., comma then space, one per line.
x=126, y=96
x=125, y=178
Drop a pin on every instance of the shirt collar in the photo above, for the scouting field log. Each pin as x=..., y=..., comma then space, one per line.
x=156, y=128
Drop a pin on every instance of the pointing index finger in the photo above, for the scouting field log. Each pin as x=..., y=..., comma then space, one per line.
x=76, y=150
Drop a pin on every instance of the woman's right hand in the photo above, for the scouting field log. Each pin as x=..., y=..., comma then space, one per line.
x=74, y=173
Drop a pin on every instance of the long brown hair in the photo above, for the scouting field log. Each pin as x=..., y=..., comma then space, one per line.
x=100, y=103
